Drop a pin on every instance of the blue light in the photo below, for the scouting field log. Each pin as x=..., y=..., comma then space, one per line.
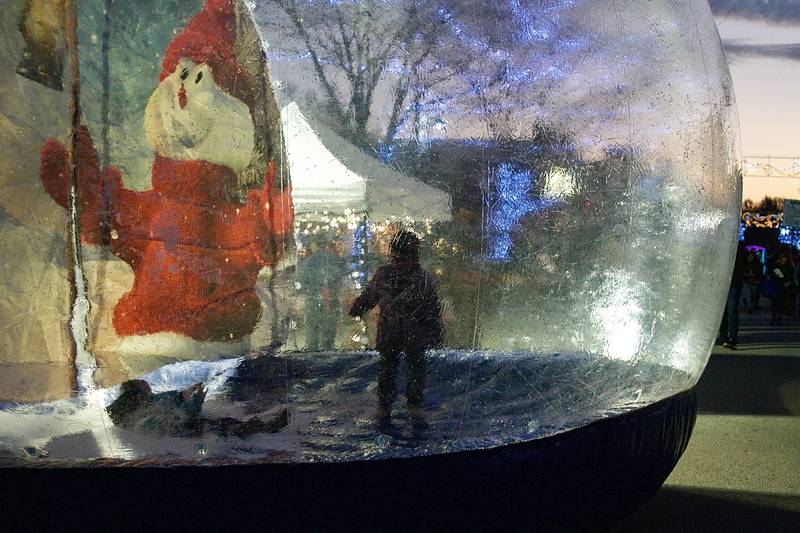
x=516, y=74
x=536, y=23
x=789, y=235
x=508, y=203
x=386, y=152
x=360, y=251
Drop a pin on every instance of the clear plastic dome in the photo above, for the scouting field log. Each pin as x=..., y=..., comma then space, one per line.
x=327, y=231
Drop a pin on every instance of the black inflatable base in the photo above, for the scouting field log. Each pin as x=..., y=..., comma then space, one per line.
x=587, y=477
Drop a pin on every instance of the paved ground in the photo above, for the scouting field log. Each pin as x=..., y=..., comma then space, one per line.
x=741, y=471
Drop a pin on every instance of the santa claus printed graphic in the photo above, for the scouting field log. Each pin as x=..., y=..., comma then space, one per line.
x=194, y=242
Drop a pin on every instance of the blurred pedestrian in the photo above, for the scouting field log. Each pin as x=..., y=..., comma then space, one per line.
x=796, y=280
x=778, y=277
x=319, y=278
x=752, y=276
x=729, y=329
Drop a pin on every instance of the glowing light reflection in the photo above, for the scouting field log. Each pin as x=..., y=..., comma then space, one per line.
x=618, y=315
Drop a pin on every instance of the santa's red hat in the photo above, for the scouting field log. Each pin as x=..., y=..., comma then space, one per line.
x=210, y=38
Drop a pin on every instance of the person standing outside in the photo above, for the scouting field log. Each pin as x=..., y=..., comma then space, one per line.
x=751, y=282
x=779, y=277
x=320, y=277
x=796, y=281
x=410, y=322
x=729, y=329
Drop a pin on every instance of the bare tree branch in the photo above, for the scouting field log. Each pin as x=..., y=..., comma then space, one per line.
x=297, y=21
x=354, y=42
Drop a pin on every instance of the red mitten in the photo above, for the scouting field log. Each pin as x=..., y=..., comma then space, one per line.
x=277, y=209
x=56, y=176
x=53, y=172
x=277, y=216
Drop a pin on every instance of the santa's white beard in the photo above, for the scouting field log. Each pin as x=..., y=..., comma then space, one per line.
x=213, y=126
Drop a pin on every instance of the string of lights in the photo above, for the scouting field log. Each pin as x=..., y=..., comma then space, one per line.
x=755, y=220
x=766, y=166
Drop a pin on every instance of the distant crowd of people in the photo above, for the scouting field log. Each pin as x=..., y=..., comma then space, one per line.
x=778, y=281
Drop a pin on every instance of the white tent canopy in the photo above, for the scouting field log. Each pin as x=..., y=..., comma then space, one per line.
x=331, y=174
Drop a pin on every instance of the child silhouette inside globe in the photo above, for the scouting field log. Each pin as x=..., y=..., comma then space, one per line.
x=410, y=322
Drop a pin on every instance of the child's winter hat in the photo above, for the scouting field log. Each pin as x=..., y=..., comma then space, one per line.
x=405, y=245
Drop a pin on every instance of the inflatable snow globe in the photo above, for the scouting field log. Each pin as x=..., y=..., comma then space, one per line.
x=401, y=255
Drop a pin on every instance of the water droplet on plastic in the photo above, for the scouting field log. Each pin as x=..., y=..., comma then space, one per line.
x=383, y=441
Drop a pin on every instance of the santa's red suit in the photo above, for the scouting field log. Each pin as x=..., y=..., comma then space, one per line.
x=195, y=253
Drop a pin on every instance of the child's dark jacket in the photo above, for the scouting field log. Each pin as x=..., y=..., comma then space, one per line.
x=410, y=316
